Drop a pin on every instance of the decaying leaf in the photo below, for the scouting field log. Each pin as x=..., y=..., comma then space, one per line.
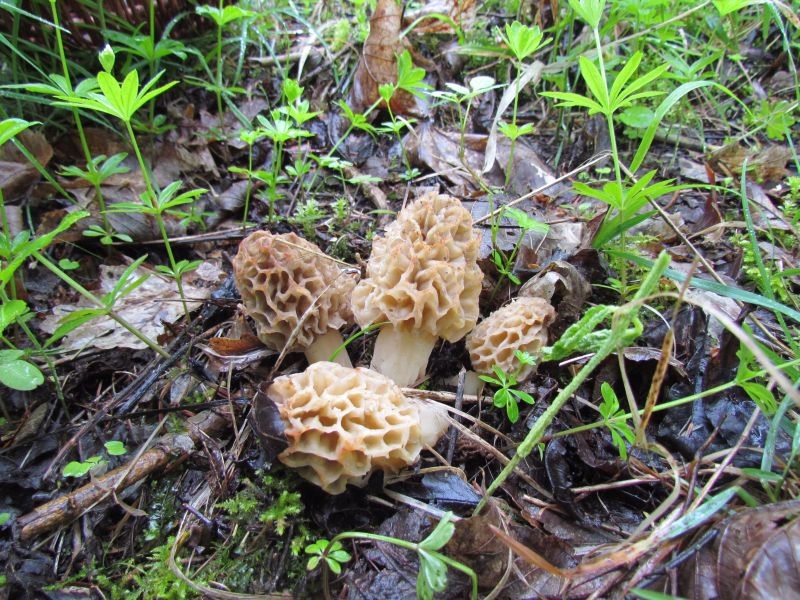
x=378, y=64
x=769, y=163
x=16, y=172
x=755, y=555
x=561, y=284
x=154, y=303
x=460, y=160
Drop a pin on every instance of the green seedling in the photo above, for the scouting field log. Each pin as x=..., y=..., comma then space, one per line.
x=432, y=576
x=16, y=371
x=222, y=17
x=505, y=263
x=614, y=421
x=460, y=95
x=332, y=554
x=100, y=169
x=522, y=41
x=410, y=79
x=507, y=396
x=79, y=469
x=122, y=100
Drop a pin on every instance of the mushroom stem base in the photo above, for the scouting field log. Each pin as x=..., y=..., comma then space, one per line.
x=402, y=356
x=324, y=346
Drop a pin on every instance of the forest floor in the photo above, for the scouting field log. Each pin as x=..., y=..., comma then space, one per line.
x=633, y=166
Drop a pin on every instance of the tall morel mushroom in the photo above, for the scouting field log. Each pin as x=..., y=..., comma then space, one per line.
x=423, y=278
x=297, y=297
x=519, y=325
x=342, y=423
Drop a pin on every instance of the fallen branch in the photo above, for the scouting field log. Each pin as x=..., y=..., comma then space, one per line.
x=168, y=448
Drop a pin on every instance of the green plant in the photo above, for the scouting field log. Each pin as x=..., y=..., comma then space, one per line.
x=332, y=554
x=608, y=98
x=79, y=469
x=507, y=396
x=522, y=41
x=505, y=263
x=99, y=169
x=433, y=564
x=222, y=16
x=122, y=100
x=307, y=215
x=410, y=79
x=614, y=420
x=16, y=371
x=458, y=95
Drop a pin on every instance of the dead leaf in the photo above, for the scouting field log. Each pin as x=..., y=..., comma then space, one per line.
x=769, y=164
x=17, y=174
x=378, y=63
x=153, y=303
x=755, y=555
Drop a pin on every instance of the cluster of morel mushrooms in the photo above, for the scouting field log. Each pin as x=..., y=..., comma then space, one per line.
x=423, y=283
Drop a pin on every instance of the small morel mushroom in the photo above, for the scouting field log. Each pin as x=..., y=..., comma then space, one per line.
x=423, y=278
x=343, y=423
x=519, y=325
x=296, y=296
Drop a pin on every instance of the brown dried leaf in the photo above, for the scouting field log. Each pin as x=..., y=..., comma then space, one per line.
x=378, y=64
x=153, y=303
x=769, y=164
x=17, y=174
x=756, y=555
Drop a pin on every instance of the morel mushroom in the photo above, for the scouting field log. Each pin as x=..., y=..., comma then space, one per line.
x=519, y=325
x=423, y=278
x=341, y=424
x=297, y=297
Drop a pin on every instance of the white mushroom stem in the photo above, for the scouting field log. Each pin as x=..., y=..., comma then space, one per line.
x=402, y=355
x=433, y=422
x=324, y=346
x=472, y=383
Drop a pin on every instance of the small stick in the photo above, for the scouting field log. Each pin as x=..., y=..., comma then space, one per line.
x=168, y=448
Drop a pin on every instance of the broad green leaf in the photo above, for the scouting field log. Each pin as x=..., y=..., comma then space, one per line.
x=9, y=311
x=638, y=117
x=20, y=375
x=594, y=81
x=115, y=448
x=10, y=128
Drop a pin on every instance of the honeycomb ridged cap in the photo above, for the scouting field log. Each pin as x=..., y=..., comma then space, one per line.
x=519, y=325
x=343, y=423
x=423, y=273
x=279, y=278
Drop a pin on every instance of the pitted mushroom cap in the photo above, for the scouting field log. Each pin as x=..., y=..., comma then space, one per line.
x=280, y=277
x=519, y=325
x=343, y=423
x=423, y=273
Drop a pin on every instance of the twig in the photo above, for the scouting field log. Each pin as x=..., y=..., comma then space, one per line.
x=168, y=448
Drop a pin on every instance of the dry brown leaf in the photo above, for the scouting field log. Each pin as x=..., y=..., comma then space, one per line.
x=769, y=164
x=378, y=64
x=17, y=174
x=153, y=303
